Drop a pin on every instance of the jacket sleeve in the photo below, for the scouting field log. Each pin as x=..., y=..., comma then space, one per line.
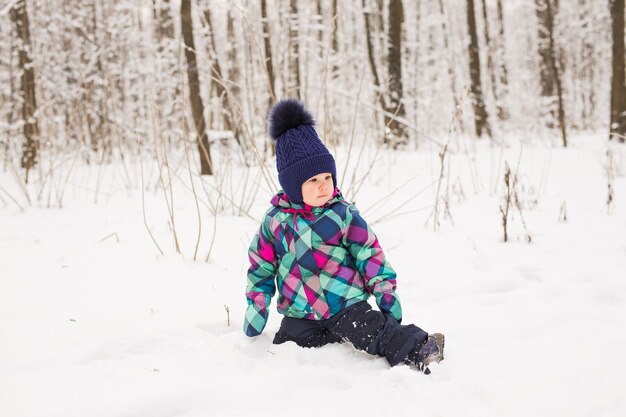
x=377, y=273
x=261, y=284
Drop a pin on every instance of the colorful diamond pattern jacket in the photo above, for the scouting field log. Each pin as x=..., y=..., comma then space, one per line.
x=320, y=259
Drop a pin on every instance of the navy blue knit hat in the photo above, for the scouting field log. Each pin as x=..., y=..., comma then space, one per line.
x=300, y=154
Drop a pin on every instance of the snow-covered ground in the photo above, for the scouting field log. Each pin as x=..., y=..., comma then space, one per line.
x=95, y=322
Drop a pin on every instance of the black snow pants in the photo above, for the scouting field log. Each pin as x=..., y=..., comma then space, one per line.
x=367, y=329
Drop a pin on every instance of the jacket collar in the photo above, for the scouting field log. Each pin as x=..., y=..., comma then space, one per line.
x=281, y=200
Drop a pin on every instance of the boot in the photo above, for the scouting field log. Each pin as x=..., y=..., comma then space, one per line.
x=431, y=351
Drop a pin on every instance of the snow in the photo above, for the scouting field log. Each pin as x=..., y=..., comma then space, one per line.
x=93, y=326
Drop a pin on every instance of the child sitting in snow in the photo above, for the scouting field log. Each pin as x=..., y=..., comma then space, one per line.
x=324, y=259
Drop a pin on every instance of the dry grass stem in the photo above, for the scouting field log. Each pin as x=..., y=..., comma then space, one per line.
x=114, y=234
x=609, y=168
x=442, y=156
x=399, y=206
x=227, y=315
x=217, y=203
x=507, y=200
x=563, y=213
x=12, y=199
x=143, y=205
x=193, y=189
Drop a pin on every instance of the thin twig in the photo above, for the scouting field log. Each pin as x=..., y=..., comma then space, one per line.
x=389, y=115
x=370, y=210
x=12, y=199
x=507, y=200
x=404, y=213
x=143, y=205
x=442, y=156
x=356, y=112
x=114, y=234
x=516, y=198
x=21, y=183
x=405, y=203
x=610, y=175
x=217, y=203
x=193, y=189
x=169, y=202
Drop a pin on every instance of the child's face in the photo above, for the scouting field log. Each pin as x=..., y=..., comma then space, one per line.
x=317, y=190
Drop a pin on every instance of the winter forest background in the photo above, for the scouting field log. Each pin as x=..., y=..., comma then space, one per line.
x=104, y=79
x=483, y=140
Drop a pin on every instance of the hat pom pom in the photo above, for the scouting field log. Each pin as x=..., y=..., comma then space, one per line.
x=288, y=114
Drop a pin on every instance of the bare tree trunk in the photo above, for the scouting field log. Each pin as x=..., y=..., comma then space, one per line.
x=503, y=75
x=547, y=77
x=94, y=94
x=481, y=121
x=67, y=68
x=551, y=88
x=320, y=31
x=451, y=74
x=618, y=83
x=390, y=94
x=163, y=15
x=371, y=56
x=396, y=105
x=233, y=69
x=170, y=91
x=269, y=67
x=335, y=40
x=13, y=88
x=233, y=108
x=10, y=111
x=19, y=16
x=379, y=23
x=219, y=82
x=587, y=70
x=495, y=88
x=197, y=108
x=295, y=84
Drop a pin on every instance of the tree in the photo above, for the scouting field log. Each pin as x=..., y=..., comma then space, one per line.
x=93, y=90
x=168, y=71
x=19, y=16
x=197, y=107
x=481, y=122
x=618, y=83
x=165, y=22
x=551, y=88
x=371, y=55
x=504, y=76
x=7, y=90
x=267, y=44
x=219, y=83
x=396, y=106
x=495, y=87
x=294, y=79
x=335, y=39
x=582, y=61
x=234, y=76
x=450, y=59
x=390, y=101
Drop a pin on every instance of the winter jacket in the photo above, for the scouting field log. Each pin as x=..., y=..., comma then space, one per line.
x=321, y=260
